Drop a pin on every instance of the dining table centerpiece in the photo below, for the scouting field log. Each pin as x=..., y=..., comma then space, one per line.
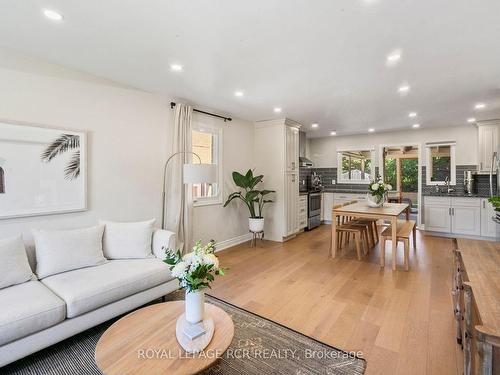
x=195, y=271
x=377, y=194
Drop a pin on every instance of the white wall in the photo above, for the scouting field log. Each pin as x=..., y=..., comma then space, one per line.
x=323, y=151
x=128, y=141
x=215, y=221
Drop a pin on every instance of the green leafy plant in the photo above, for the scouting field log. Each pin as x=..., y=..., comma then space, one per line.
x=253, y=198
x=197, y=269
x=495, y=201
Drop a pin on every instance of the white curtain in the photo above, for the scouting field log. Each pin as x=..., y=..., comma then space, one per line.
x=179, y=198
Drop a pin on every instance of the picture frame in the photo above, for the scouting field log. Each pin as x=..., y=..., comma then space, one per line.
x=43, y=170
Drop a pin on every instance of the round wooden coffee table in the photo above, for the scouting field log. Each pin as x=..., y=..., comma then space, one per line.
x=144, y=342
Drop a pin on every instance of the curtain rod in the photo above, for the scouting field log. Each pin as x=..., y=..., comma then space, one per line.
x=173, y=104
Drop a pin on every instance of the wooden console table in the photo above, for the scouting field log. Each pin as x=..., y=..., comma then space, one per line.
x=476, y=295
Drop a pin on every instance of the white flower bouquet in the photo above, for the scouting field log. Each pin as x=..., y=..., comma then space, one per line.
x=197, y=269
x=378, y=190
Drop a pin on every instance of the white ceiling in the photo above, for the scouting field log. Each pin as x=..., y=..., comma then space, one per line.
x=321, y=61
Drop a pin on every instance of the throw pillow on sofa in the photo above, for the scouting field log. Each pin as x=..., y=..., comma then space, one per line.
x=127, y=240
x=14, y=265
x=65, y=250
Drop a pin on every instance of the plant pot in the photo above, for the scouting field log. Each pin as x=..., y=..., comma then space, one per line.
x=375, y=200
x=195, y=306
x=256, y=224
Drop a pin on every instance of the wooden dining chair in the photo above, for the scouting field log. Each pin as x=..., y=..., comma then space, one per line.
x=371, y=228
x=405, y=228
x=345, y=229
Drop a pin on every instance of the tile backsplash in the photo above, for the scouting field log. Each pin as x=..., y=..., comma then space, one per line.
x=329, y=174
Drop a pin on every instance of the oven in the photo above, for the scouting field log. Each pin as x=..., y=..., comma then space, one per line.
x=313, y=210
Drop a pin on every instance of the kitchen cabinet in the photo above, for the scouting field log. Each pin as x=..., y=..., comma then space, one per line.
x=488, y=227
x=302, y=216
x=488, y=143
x=276, y=150
x=326, y=207
x=454, y=215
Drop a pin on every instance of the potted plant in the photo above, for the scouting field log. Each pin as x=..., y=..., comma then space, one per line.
x=195, y=271
x=253, y=198
x=495, y=202
x=377, y=194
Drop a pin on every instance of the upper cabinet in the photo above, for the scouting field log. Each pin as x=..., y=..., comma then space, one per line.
x=292, y=148
x=488, y=144
x=440, y=163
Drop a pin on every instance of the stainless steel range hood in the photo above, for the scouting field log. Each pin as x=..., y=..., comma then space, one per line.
x=303, y=161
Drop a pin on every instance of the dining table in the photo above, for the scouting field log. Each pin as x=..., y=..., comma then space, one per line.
x=389, y=212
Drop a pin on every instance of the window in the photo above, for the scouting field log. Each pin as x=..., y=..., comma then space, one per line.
x=355, y=166
x=440, y=164
x=206, y=143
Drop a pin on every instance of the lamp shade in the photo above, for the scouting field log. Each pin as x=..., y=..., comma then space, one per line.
x=198, y=173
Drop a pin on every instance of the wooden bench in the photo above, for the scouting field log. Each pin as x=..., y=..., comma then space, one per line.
x=405, y=228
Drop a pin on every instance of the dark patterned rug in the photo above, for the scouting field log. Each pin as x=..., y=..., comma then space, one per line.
x=259, y=347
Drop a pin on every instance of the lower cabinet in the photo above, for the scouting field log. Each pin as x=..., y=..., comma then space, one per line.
x=453, y=215
x=488, y=227
x=302, y=211
x=326, y=207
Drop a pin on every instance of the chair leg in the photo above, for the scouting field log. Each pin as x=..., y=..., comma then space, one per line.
x=375, y=229
x=414, y=237
x=407, y=254
x=382, y=252
x=367, y=241
x=358, y=245
x=394, y=256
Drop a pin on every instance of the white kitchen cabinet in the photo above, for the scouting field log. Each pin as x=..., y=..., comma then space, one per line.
x=326, y=207
x=276, y=157
x=292, y=149
x=488, y=227
x=302, y=216
x=453, y=215
x=437, y=218
x=488, y=143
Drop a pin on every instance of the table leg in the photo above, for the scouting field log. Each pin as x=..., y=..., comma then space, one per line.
x=333, y=249
x=394, y=239
x=408, y=212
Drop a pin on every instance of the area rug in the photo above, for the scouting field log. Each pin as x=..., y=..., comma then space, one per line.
x=259, y=347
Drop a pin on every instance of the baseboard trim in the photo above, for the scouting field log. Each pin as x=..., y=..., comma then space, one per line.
x=232, y=242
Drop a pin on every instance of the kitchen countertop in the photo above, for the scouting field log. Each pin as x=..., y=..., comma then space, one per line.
x=345, y=191
x=457, y=194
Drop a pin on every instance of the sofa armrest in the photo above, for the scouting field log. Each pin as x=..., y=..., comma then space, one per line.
x=162, y=238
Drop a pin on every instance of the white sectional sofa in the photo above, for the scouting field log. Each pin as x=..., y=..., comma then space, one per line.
x=38, y=313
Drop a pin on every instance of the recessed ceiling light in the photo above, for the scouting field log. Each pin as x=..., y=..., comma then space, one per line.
x=415, y=126
x=404, y=89
x=371, y=130
x=470, y=120
x=393, y=58
x=412, y=114
x=176, y=67
x=315, y=125
x=333, y=132
x=480, y=106
x=277, y=110
x=238, y=93
x=53, y=15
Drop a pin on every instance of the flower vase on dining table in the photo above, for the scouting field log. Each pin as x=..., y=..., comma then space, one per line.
x=377, y=195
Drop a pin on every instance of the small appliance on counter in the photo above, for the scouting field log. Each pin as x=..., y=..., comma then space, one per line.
x=468, y=183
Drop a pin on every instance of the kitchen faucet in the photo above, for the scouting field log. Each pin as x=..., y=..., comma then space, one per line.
x=447, y=184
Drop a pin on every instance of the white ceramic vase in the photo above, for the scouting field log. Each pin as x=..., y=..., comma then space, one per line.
x=195, y=306
x=375, y=200
x=256, y=225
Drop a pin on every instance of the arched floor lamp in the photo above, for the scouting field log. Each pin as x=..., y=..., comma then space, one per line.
x=191, y=174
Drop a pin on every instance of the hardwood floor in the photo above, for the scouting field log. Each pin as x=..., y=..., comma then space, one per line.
x=401, y=321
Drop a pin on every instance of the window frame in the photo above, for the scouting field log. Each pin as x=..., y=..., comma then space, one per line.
x=453, y=163
x=340, y=180
x=218, y=131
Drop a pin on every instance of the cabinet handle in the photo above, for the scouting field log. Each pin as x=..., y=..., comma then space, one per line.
x=293, y=165
x=481, y=166
x=449, y=211
x=484, y=204
x=453, y=211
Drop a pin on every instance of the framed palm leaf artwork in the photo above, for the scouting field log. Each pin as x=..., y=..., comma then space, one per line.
x=42, y=170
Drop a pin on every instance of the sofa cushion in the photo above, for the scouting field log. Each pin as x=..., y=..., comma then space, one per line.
x=14, y=266
x=28, y=308
x=64, y=250
x=87, y=289
x=127, y=240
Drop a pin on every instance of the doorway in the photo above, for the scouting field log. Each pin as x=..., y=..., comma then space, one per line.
x=400, y=166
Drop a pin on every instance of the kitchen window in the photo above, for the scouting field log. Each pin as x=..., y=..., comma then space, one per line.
x=441, y=163
x=206, y=142
x=355, y=166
